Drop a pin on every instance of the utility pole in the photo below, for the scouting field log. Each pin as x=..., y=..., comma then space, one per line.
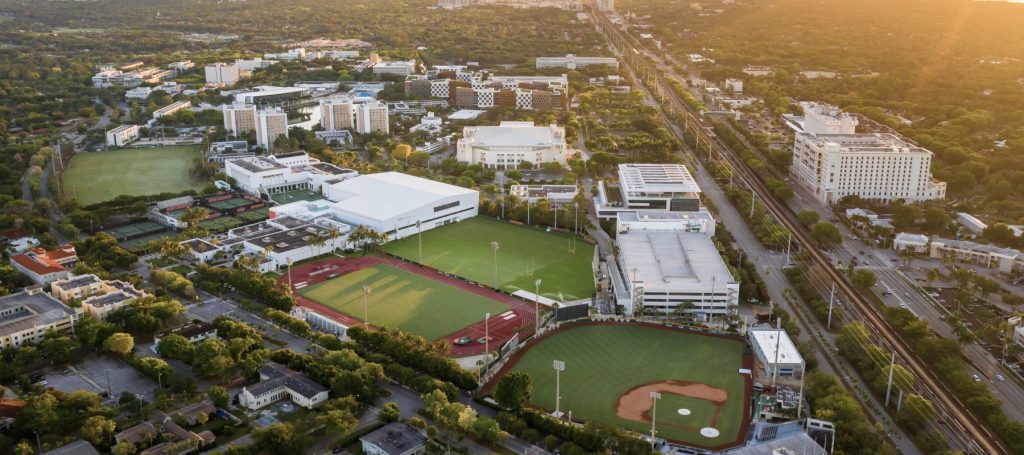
x=831, y=299
x=487, y=343
x=366, y=307
x=536, y=307
x=751, y=203
x=494, y=246
x=419, y=234
x=291, y=290
x=654, y=415
x=789, y=241
x=888, y=387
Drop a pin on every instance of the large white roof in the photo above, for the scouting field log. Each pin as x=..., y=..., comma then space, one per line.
x=772, y=340
x=512, y=134
x=387, y=195
x=656, y=178
x=673, y=260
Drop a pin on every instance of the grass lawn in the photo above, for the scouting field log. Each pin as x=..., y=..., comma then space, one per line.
x=464, y=249
x=403, y=300
x=602, y=362
x=101, y=176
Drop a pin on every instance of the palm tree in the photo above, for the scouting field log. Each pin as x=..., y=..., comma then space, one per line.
x=170, y=248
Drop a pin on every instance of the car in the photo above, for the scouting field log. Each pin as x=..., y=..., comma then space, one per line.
x=338, y=450
x=934, y=294
x=887, y=292
x=903, y=305
x=36, y=377
x=976, y=378
x=66, y=371
x=40, y=383
x=1000, y=377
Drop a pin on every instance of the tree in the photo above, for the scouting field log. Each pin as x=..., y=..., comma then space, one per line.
x=97, y=429
x=389, y=412
x=916, y=411
x=513, y=390
x=119, y=343
x=486, y=429
x=402, y=152
x=24, y=448
x=826, y=234
x=176, y=347
x=218, y=395
x=863, y=278
x=202, y=418
x=936, y=219
x=808, y=217
x=123, y=448
x=339, y=422
x=59, y=348
x=279, y=438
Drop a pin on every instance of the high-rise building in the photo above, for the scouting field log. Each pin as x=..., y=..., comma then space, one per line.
x=606, y=5
x=820, y=118
x=872, y=166
x=222, y=74
x=337, y=114
x=270, y=124
x=372, y=117
x=239, y=118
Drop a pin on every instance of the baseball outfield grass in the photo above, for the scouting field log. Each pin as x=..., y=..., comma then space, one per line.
x=101, y=176
x=604, y=362
x=524, y=255
x=403, y=300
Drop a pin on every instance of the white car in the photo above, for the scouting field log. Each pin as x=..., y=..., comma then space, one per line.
x=976, y=378
x=1000, y=377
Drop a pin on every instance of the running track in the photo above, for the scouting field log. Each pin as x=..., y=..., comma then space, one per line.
x=519, y=318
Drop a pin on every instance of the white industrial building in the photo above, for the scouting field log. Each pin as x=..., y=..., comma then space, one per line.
x=973, y=225
x=511, y=143
x=393, y=203
x=571, y=61
x=278, y=382
x=271, y=174
x=776, y=353
x=912, y=243
x=872, y=166
x=222, y=74
x=400, y=67
x=663, y=263
x=171, y=108
x=557, y=195
x=649, y=188
x=122, y=135
x=1005, y=260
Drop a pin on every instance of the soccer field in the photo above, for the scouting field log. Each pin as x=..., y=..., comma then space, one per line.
x=524, y=255
x=403, y=300
x=101, y=176
x=604, y=363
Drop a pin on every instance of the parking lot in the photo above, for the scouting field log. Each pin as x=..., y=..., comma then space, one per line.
x=210, y=307
x=92, y=374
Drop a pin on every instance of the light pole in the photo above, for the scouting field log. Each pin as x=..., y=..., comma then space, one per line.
x=527, y=211
x=366, y=306
x=536, y=307
x=487, y=343
x=559, y=367
x=159, y=380
x=419, y=235
x=655, y=396
x=494, y=246
x=291, y=290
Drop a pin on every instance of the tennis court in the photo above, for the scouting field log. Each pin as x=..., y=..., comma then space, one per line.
x=221, y=223
x=294, y=196
x=134, y=230
x=230, y=204
x=253, y=216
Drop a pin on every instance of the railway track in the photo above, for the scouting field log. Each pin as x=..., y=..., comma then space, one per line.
x=975, y=436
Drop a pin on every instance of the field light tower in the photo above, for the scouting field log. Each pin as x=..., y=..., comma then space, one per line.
x=494, y=246
x=366, y=307
x=419, y=234
x=559, y=367
x=536, y=307
x=291, y=290
x=655, y=396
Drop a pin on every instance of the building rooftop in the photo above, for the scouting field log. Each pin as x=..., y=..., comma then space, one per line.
x=121, y=128
x=80, y=281
x=396, y=438
x=650, y=215
x=636, y=178
x=671, y=259
x=979, y=247
x=513, y=134
x=908, y=237
x=281, y=376
x=192, y=329
x=772, y=341
x=388, y=194
x=258, y=164
x=79, y=447
x=865, y=142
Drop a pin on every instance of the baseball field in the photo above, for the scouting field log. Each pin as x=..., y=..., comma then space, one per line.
x=612, y=369
x=101, y=176
x=524, y=255
x=402, y=299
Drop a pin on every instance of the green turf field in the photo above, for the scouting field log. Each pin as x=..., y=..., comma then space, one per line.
x=603, y=362
x=101, y=176
x=403, y=300
x=524, y=255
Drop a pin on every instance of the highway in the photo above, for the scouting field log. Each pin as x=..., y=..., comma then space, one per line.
x=970, y=432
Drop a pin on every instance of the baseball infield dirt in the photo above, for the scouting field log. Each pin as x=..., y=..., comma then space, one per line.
x=635, y=404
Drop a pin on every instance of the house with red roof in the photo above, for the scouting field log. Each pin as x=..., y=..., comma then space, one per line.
x=45, y=266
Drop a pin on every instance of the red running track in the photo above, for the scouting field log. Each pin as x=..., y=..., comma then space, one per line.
x=501, y=328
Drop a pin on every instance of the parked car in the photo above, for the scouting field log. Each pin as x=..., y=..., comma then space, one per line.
x=976, y=378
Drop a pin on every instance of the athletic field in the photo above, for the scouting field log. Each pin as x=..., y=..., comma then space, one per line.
x=524, y=255
x=611, y=369
x=101, y=176
x=403, y=300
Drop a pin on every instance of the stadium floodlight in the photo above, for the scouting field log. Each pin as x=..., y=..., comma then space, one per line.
x=655, y=396
x=494, y=246
x=559, y=367
x=536, y=307
x=366, y=307
x=291, y=290
x=487, y=343
x=419, y=234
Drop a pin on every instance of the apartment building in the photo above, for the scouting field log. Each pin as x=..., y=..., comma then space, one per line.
x=26, y=317
x=270, y=124
x=872, y=166
x=222, y=74
x=96, y=296
x=337, y=113
x=483, y=90
x=372, y=117
x=510, y=144
x=171, y=108
x=122, y=135
x=239, y=118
